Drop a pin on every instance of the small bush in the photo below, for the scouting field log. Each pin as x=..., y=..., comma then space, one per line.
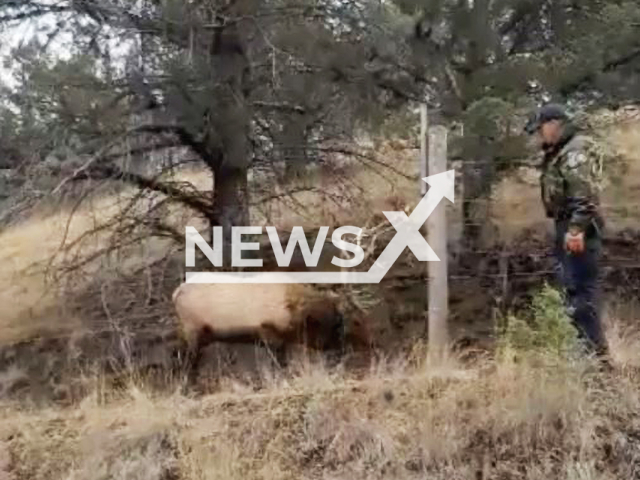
x=545, y=328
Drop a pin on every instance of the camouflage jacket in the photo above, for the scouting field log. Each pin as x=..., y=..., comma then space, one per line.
x=571, y=181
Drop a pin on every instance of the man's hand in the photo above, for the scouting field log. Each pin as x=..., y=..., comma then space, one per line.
x=574, y=240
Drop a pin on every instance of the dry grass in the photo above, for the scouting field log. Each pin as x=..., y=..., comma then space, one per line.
x=496, y=419
x=32, y=305
x=542, y=416
x=624, y=338
x=403, y=420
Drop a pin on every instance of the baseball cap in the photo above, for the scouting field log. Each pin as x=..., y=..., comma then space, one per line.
x=546, y=113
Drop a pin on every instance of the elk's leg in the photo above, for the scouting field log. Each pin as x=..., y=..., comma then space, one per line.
x=197, y=340
x=273, y=339
x=192, y=357
x=282, y=355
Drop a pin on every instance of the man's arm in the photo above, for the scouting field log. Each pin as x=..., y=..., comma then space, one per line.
x=581, y=172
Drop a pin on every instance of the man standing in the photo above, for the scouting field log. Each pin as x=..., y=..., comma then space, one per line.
x=570, y=185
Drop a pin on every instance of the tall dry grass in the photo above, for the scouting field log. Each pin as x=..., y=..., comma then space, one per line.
x=30, y=251
x=494, y=419
x=541, y=413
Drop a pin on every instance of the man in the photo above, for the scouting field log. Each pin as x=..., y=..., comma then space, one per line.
x=570, y=193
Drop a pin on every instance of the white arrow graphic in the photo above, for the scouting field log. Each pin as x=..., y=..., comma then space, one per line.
x=408, y=228
x=407, y=235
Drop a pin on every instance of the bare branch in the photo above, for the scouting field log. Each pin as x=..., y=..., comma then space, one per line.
x=186, y=137
x=280, y=106
x=607, y=67
x=27, y=10
x=197, y=202
x=154, y=147
x=363, y=157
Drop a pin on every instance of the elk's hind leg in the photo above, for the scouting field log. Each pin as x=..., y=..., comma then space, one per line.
x=273, y=340
x=196, y=340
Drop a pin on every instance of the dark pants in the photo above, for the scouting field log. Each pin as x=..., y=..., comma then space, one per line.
x=579, y=277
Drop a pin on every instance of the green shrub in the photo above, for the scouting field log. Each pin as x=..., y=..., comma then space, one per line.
x=545, y=328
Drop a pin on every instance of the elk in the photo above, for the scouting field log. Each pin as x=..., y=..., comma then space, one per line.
x=278, y=315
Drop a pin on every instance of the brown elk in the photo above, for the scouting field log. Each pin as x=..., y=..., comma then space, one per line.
x=276, y=314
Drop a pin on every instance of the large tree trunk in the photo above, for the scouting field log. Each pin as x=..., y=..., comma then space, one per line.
x=231, y=167
x=293, y=143
x=230, y=129
x=230, y=207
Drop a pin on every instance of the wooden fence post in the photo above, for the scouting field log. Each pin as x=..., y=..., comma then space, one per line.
x=438, y=289
x=424, y=125
x=422, y=185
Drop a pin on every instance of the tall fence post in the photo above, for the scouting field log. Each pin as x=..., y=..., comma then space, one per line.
x=424, y=125
x=438, y=290
x=423, y=169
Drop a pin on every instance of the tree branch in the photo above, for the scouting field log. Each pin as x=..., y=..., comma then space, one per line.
x=185, y=137
x=607, y=67
x=280, y=106
x=623, y=60
x=30, y=10
x=143, y=149
x=110, y=172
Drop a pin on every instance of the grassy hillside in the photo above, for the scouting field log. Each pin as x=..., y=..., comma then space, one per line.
x=482, y=416
x=493, y=419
